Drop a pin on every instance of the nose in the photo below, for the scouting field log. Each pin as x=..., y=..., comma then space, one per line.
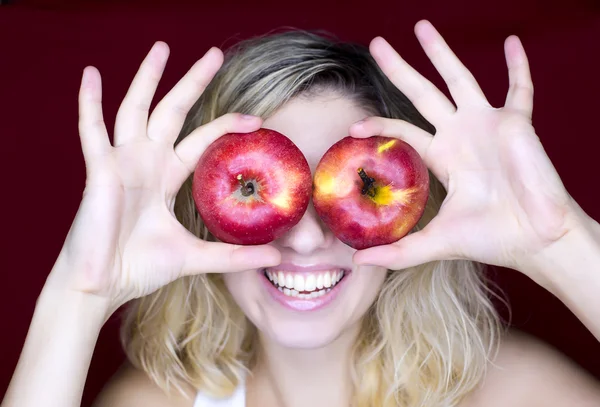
x=308, y=235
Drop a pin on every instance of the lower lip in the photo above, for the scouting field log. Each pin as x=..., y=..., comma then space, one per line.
x=301, y=304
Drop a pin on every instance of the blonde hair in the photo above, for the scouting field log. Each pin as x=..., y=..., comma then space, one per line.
x=429, y=335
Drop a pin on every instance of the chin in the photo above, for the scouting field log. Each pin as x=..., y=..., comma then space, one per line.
x=295, y=334
x=306, y=307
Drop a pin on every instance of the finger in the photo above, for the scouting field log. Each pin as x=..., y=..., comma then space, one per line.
x=418, y=138
x=217, y=257
x=414, y=249
x=461, y=83
x=92, y=129
x=192, y=147
x=132, y=117
x=520, y=92
x=169, y=115
x=428, y=99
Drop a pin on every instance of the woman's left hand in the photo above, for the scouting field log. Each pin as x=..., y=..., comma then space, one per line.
x=506, y=202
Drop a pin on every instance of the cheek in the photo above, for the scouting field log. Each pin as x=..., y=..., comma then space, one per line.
x=369, y=281
x=241, y=285
x=362, y=292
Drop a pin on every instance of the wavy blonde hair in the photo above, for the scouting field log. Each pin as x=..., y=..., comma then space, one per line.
x=430, y=333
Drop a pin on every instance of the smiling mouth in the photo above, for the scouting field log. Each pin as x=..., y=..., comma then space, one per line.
x=304, y=285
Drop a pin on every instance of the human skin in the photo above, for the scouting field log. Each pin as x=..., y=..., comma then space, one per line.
x=294, y=342
x=500, y=182
x=539, y=230
x=125, y=241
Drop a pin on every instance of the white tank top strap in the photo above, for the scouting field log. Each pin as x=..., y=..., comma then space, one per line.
x=237, y=399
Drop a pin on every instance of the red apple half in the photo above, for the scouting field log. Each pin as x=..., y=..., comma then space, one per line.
x=370, y=191
x=250, y=188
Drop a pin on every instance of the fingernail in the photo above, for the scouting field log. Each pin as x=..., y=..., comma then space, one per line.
x=359, y=262
x=85, y=80
x=272, y=261
x=249, y=117
x=358, y=123
x=155, y=52
x=369, y=262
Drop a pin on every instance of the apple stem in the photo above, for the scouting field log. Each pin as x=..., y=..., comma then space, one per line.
x=247, y=188
x=368, y=183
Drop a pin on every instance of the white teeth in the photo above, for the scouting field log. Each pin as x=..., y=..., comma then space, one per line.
x=320, y=281
x=298, y=282
x=335, y=278
x=327, y=279
x=312, y=285
x=314, y=294
x=289, y=281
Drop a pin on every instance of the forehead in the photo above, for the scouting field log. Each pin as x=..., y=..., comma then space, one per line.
x=315, y=123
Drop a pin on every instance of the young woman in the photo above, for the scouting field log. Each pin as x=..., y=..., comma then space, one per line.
x=407, y=324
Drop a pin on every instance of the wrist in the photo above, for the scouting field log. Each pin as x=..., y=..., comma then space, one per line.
x=571, y=258
x=88, y=310
x=69, y=282
x=61, y=338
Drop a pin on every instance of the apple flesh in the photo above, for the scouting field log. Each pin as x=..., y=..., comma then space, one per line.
x=370, y=191
x=250, y=188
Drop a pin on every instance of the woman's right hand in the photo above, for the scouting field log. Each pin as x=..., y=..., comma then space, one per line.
x=125, y=241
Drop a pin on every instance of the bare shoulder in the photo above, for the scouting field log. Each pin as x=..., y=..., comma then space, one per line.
x=131, y=387
x=530, y=373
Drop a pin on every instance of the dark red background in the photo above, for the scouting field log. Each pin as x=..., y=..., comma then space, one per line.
x=44, y=46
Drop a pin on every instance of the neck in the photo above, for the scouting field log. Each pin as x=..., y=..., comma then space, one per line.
x=299, y=377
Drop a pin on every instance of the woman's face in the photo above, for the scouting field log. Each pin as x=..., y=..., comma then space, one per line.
x=301, y=303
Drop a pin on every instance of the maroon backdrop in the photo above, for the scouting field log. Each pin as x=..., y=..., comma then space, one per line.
x=44, y=46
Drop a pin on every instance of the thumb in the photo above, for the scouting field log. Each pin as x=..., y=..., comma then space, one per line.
x=414, y=249
x=216, y=257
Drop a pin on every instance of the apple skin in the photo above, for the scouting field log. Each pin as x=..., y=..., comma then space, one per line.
x=279, y=181
x=400, y=190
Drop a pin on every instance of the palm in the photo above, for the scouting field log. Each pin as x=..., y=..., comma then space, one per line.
x=491, y=188
x=124, y=197
x=505, y=200
x=125, y=241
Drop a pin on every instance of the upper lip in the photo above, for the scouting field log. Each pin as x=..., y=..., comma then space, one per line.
x=291, y=267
